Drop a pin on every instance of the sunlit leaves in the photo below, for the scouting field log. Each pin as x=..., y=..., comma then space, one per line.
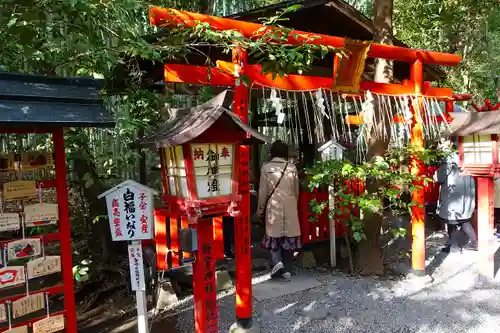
x=391, y=172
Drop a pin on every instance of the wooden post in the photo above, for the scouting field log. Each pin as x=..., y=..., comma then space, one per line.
x=242, y=222
x=485, y=227
x=204, y=288
x=64, y=230
x=416, y=168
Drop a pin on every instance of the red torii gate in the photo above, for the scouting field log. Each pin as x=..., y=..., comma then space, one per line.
x=227, y=73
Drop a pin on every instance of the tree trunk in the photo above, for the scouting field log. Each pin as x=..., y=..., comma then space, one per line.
x=369, y=256
x=207, y=6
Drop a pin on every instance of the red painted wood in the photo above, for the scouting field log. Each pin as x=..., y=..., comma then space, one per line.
x=47, y=238
x=166, y=17
x=53, y=290
x=173, y=247
x=205, y=296
x=189, y=167
x=161, y=240
x=417, y=168
x=64, y=230
x=242, y=222
x=27, y=129
x=175, y=73
x=32, y=320
x=218, y=238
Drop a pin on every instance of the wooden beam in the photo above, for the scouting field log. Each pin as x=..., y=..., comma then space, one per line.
x=223, y=76
x=169, y=18
x=358, y=119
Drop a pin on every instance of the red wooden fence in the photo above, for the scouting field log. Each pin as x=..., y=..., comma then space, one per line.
x=314, y=227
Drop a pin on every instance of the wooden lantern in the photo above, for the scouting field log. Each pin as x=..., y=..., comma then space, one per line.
x=199, y=150
x=477, y=141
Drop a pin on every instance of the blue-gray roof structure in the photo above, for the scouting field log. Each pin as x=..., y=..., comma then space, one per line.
x=52, y=101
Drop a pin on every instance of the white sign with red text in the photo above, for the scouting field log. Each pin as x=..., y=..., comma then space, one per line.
x=130, y=211
x=136, y=267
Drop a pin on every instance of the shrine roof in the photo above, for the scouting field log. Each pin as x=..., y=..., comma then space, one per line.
x=474, y=123
x=187, y=124
x=41, y=100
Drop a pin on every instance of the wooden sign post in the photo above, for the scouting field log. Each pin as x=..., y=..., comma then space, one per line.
x=130, y=214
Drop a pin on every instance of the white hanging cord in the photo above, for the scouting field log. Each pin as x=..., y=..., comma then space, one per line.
x=340, y=107
x=334, y=117
x=306, y=116
x=27, y=282
x=47, y=304
x=298, y=113
x=9, y=314
x=330, y=117
x=23, y=223
x=4, y=256
x=39, y=192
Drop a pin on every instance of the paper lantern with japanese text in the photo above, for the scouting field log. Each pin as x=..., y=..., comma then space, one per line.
x=478, y=147
x=199, y=150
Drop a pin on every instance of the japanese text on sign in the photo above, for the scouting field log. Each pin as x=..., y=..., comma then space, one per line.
x=136, y=267
x=213, y=168
x=130, y=211
x=129, y=207
x=209, y=286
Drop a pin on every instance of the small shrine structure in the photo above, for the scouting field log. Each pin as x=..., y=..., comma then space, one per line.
x=478, y=146
x=40, y=107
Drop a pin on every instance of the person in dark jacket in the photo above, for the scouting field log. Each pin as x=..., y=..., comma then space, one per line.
x=457, y=200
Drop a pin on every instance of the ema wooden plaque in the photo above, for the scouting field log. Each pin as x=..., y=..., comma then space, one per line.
x=24, y=248
x=41, y=214
x=33, y=160
x=28, y=304
x=49, y=325
x=19, y=329
x=3, y=313
x=19, y=189
x=11, y=276
x=43, y=266
x=9, y=221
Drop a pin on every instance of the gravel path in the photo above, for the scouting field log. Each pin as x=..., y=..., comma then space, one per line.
x=453, y=302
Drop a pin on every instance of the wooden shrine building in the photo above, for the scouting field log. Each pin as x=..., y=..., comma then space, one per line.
x=34, y=110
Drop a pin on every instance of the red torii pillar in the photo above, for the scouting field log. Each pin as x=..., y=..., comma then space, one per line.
x=485, y=210
x=416, y=168
x=244, y=322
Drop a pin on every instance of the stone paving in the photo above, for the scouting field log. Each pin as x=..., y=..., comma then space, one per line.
x=452, y=300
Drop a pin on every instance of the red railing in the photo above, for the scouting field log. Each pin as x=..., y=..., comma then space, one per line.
x=167, y=226
x=316, y=227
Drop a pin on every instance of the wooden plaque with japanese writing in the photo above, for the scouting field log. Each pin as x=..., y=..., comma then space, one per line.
x=28, y=304
x=49, y=325
x=43, y=266
x=24, y=248
x=7, y=162
x=9, y=221
x=19, y=189
x=33, y=160
x=11, y=276
x=41, y=214
x=19, y=329
x=3, y=313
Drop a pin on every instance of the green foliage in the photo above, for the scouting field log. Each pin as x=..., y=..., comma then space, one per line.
x=390, y=172
x=270, y=45
x=470, y=28
x=81, y=272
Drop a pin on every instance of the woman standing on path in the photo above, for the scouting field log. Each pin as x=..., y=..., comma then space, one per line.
x=277, y=206
x=457, y=199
